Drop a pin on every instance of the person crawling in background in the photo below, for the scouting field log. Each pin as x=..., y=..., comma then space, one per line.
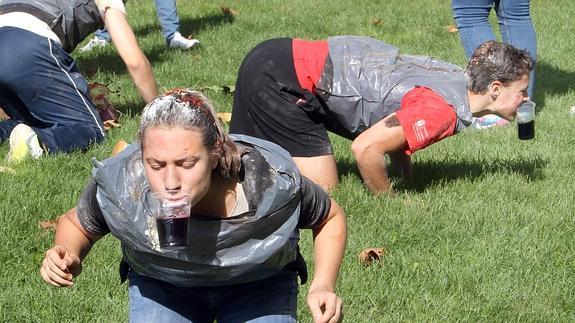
x=293, y=91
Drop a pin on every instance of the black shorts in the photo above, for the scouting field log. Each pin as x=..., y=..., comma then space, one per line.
x=270, y=104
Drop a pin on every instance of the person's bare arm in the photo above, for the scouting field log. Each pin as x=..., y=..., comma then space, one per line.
x=370, y=148
x=136, y=62
x=72, y=243
x=329, y=245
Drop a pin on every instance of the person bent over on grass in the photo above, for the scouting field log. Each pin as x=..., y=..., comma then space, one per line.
x=41, y=88
x=241, y=259
x=292, y=91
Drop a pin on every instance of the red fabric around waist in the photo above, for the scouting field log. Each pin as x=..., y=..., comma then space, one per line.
x=308, y=60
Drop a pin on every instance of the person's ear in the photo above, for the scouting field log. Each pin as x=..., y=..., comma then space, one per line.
x=495, y=89
x=214, y=160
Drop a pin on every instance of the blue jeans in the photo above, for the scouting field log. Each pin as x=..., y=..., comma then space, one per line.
x=41, y=86
x=272, y=300
x=167, y=16
x=514, y=20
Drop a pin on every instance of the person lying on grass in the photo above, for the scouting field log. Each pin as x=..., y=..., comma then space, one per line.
x=240, y=260
x=292, y=92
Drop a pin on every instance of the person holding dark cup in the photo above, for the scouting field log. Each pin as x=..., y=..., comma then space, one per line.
x=248, y=202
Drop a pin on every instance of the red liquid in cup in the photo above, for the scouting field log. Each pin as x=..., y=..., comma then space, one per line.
x=172, y=231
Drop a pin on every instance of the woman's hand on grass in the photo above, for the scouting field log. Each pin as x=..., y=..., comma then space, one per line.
x=60, y=267
x=325, y=306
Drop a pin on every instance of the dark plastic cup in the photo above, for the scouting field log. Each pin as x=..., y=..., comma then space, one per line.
x=526, y=120
x=172, y=213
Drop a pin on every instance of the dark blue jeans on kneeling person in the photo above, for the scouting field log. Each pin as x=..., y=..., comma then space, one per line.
x=270, y=300
x=41, y=86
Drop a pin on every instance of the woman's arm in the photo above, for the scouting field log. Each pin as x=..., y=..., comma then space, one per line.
x=370, y=148
x=136, y=62
x=72, y=243
x=329, y=244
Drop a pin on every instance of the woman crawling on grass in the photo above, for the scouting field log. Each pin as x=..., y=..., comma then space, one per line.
x=240, y=260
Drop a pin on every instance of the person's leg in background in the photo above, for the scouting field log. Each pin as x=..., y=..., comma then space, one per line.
x=472, y=20
x=168, y=18
x=517, y=29
x=170, y=22
x=103, y=34
x=101, y=38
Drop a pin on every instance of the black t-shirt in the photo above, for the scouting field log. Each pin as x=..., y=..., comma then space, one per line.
x=315, y=206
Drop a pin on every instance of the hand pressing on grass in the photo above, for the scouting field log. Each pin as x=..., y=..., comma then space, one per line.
x=325, y=306
x=60, y=267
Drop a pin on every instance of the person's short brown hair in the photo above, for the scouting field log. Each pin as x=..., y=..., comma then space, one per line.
x=496, y=61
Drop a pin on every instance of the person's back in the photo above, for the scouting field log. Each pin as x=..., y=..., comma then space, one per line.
x=365, y=80
x=70, y=20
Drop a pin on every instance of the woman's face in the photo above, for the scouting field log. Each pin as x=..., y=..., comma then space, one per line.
x=175, y=159
x=510, y=97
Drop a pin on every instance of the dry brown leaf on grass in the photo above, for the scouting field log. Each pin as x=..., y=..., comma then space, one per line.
x=229, y=11
x=48, y=224
x=368, y=256
x=7, y=170
x=451, y=29
x=100, y=95
x=376, y=21
x=224, y=117
x=109, y=124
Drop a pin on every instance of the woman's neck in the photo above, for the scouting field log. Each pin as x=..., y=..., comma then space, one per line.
x=219, y=201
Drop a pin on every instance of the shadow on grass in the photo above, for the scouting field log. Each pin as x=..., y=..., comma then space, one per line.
x=430, y=173
x=132, y=108
x=347, y=167
x=109, y=61
x=188, y=25
x=550, y=80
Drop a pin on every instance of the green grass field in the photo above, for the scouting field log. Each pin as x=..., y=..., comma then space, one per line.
x=486, y=232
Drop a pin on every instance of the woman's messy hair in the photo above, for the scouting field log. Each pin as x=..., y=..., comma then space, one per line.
x=191, y=110
x=496, y=61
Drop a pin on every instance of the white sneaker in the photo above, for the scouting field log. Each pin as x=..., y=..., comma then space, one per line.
x=180, y=41
x=24, y=143
x=93, y=43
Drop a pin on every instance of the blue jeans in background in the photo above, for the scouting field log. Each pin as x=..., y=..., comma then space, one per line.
x=41, y=86
x=272, y=300
x=515, y=25
x=167, y=16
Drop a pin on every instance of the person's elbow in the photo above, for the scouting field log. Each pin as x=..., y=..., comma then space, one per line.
x=137, y=65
